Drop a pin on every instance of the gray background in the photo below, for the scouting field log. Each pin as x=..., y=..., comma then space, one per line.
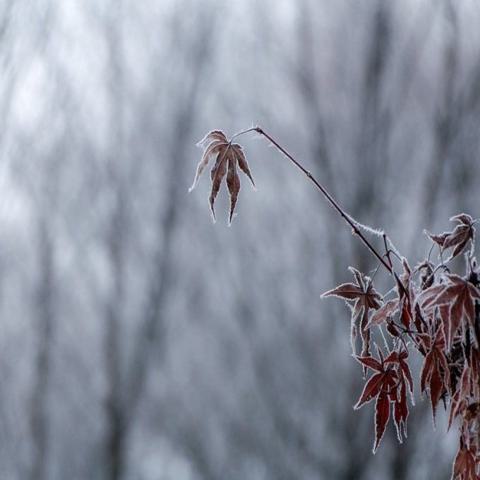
x=140, y=341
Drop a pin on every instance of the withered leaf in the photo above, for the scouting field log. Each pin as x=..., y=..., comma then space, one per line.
x=385, y=312
x=464, y=466
x=388, y=384
x=364, y=298
x=460, y=296
x=382, y=414
x=227, y=157
x=459, y=238
x=435, y=371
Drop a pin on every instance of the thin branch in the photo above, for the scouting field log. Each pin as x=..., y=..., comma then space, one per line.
x=347, y=218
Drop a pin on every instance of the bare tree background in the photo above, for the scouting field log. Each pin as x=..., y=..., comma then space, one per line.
x=138, y=340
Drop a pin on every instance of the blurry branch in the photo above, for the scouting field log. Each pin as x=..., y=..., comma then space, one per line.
x=12, y=66
x=8, y=80
x=446, y=121
x=306, y=82
x=127, y=380
x=152, y=330
x=44, y=313
x=413, y=51
x=116, y=243
x=376, y=119
x=5, y=18
x=45, y=191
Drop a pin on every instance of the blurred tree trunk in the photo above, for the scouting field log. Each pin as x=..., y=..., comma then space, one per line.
x=152, y=326
x=116, y=244
x=44, y=315
x=445, y=121
x=126, y=388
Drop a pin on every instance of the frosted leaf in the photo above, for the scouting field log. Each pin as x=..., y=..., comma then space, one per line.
x=228, y=156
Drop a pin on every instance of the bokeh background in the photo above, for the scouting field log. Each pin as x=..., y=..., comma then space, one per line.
x=140, y=341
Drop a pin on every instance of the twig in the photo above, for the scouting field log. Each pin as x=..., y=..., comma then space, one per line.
x=347, y=218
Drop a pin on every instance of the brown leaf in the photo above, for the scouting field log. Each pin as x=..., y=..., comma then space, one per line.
x=435, y=370
x=460, y=296
x=227, y=156
x=459, y=237
x=233, y=183
x=464, y=465
x=371, y=390
x=385, y=312
x=386, y=386
x=400, y=412
x=400, y=358
x=364, y=298
x=215, y=142
x=371, y=362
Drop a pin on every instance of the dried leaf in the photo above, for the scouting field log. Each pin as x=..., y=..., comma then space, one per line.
x=382, y=414
x=460, y=296
x=227, y=156
x=464, y=465
x=435, y=371
x=459, y=238
x=364, y=298
x=385, y=312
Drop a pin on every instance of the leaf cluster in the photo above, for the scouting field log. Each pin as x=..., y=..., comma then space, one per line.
x=435, y=313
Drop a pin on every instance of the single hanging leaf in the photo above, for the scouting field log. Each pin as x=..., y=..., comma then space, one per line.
x=227, y=156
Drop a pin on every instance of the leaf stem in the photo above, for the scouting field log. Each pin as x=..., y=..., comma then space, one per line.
x=252, y=129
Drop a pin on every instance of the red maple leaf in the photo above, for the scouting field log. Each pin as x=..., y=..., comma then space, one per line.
x=388, y=385
x=459, y=295
x=459, y=238
x=385, y=312
x=400, y=407
x=400, y=358
x=228, y=156
x=464, y=464
x=465, y=400
x=364, y=298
